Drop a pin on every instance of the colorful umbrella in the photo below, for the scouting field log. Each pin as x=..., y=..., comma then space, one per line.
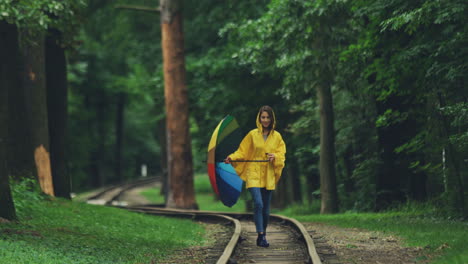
x=224, y=179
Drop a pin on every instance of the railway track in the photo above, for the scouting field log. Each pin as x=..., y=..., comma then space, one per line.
x=290, y=242
x=112, y=195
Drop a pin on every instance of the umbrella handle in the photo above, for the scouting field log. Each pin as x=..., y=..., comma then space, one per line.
x=249, y=160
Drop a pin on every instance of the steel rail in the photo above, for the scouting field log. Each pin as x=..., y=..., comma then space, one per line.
x=228, y=249
x=124, y=187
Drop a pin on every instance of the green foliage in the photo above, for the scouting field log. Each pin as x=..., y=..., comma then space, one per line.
x=41, y=15
x=397, y=71
x=38, y=13
x=458, y=114
x=26, y=195
x=60, y=231
x=387, y=62
x=98, y=79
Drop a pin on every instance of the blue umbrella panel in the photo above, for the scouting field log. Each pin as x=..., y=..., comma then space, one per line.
x=229, y=183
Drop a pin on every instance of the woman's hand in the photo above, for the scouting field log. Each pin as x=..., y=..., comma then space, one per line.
x=227, y=160
x=271, y=157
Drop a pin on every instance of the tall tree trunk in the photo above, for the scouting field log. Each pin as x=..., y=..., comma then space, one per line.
x=295, y=181
x=33, y=53
x=280, y=197
x=348, y=167
x=20, y=161
x=180, y=167
x=328, y=188
x=101, y=137
x=119, y=127
x=312, y=182
x=56, y=77
x=9, y=59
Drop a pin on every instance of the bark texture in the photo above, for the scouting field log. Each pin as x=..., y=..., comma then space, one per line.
x=9, y=57
x=328, y=188
x=56, y=77
x=20, y=160
x=119, y=130
x=34, y=82
x=179, y=152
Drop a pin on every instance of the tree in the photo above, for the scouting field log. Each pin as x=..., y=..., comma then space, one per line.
x=56, y=82
x=34, y=82
x=29, y=107
x=180, y=167
x=328, y=189
x=8, y=73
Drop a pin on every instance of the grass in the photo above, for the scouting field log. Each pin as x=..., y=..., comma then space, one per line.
x=60, y=231
x=446, y=239
x=205, y=196
x=153, y=195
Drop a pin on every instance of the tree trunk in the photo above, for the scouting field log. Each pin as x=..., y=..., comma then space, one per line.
x=9, y=55
x=296, y=187
x=20, y=160
x=328, y=189
x=280, y=198
x=349, y=167
x=33, y=51
x=312, y=182
x=98, y=159
x=56, y=77
x=119, y=127
x=180, y=167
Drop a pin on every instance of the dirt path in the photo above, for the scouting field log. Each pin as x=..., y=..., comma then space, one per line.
x=353, y=245
x=133, y=196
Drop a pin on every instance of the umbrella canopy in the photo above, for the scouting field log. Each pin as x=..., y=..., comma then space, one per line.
x=223, y=178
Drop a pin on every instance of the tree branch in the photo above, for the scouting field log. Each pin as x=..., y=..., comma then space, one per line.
x=138, y=8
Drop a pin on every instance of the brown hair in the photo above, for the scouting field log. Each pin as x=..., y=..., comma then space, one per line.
x=269, y=110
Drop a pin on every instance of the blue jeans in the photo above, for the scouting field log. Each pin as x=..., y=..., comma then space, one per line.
x=261, y=198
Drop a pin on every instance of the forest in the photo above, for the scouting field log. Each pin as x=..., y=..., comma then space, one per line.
x=370, y=96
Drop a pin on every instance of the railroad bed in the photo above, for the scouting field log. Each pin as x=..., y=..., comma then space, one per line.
x=289, y=241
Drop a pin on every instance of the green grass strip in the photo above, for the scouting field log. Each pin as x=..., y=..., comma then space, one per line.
x=69, y=232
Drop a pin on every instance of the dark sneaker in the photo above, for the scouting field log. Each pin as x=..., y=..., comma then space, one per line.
x=261, y=241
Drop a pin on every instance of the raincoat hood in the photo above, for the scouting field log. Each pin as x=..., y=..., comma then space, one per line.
x=273, y=121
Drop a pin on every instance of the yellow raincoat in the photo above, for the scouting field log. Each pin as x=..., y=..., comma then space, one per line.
x=254, y=147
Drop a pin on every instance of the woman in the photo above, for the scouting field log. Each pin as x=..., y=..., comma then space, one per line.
x=261, y=143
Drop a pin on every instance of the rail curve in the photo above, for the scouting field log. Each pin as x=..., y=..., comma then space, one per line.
x=293, y=242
